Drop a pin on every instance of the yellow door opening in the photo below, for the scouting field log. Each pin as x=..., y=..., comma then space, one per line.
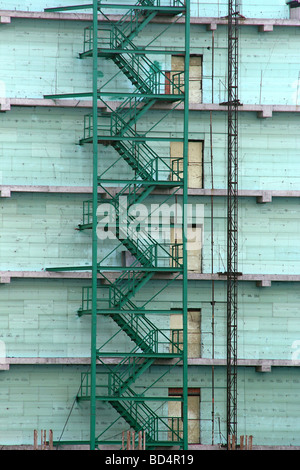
x=195, y=76
x=194, y=246
x=195, y=162
x=175, y=414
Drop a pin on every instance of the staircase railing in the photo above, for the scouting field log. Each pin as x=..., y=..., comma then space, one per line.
x=146, y=162
x=129, y=369
x=138, y=414
x=149, y=80
x=128, y=114
x=143, y=73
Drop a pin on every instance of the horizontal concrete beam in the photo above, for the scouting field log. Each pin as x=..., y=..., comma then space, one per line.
x=263, y=24
x=262, y=111
x=5, y=19
x=7, y=276
x=261, y=365
x=7, y=190
x=48, y=361
x=261, y=280
x=7, y=103
x=262, y=196
x=40, y=15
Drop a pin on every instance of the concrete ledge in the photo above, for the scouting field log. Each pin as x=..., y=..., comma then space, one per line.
x=48, y=360
x=262, y=196
x=264, y=283
x=7, y=190
x=7, y=276
x=4, y=105
x=260, y=365
x=264, y=24
x=262, y=111
x=261, y=280
x=8, y=103
x=265, y=280
x=265, y=28
x=4, y=279
x=5, y=19
x=41, y=15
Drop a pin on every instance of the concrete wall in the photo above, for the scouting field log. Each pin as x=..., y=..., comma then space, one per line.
x=41, y=398
x=39, y=319
x=39, y=232
x=39, y=146
x=269, y=155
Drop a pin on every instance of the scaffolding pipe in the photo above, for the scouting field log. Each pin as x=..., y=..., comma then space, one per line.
x=212, y=248
x=185, y=224
x=232, y=219
x=94, y=235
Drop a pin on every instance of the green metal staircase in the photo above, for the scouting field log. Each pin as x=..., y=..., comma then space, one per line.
x=132, y=23
x=118, y=298
x=150, y=83
x=159, y=430
x=149, y=80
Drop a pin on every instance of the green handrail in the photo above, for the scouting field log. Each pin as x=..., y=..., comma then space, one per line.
x=145, y=74
x=138, y=414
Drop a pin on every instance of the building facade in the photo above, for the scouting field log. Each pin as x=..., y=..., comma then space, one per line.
x=157, y=344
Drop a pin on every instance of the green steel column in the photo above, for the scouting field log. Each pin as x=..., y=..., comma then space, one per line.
x=94, y=236
x=185, y=213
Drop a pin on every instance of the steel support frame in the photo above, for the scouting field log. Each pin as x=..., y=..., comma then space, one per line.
x=232, y=218
x=185, y=225
x=96, y=7
x=94, y=236
x=185, y=215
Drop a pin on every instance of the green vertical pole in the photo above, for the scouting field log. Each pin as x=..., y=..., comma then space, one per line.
x=185, y=213
x=94, y=235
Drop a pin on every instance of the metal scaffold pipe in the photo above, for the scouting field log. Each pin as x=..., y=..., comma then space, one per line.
x=232, y=217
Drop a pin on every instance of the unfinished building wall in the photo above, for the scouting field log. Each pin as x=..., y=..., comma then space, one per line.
x=46, y=176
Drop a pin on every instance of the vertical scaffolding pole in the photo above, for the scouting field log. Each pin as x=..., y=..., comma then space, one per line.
x=94, y=230
x=232, y=219
x=185, y=225
x=212, y=248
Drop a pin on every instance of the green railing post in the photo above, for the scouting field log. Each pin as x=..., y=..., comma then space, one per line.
x=94, y=229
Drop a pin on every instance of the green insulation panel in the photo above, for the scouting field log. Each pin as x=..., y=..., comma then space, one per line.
x=46, y=176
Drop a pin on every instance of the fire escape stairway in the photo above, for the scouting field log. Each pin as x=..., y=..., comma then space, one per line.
x=122, y=397
x=132, y=147
x=141, y=245
x=132, y=22
x=146, y=337
x=150, y=342
x=131, y=406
